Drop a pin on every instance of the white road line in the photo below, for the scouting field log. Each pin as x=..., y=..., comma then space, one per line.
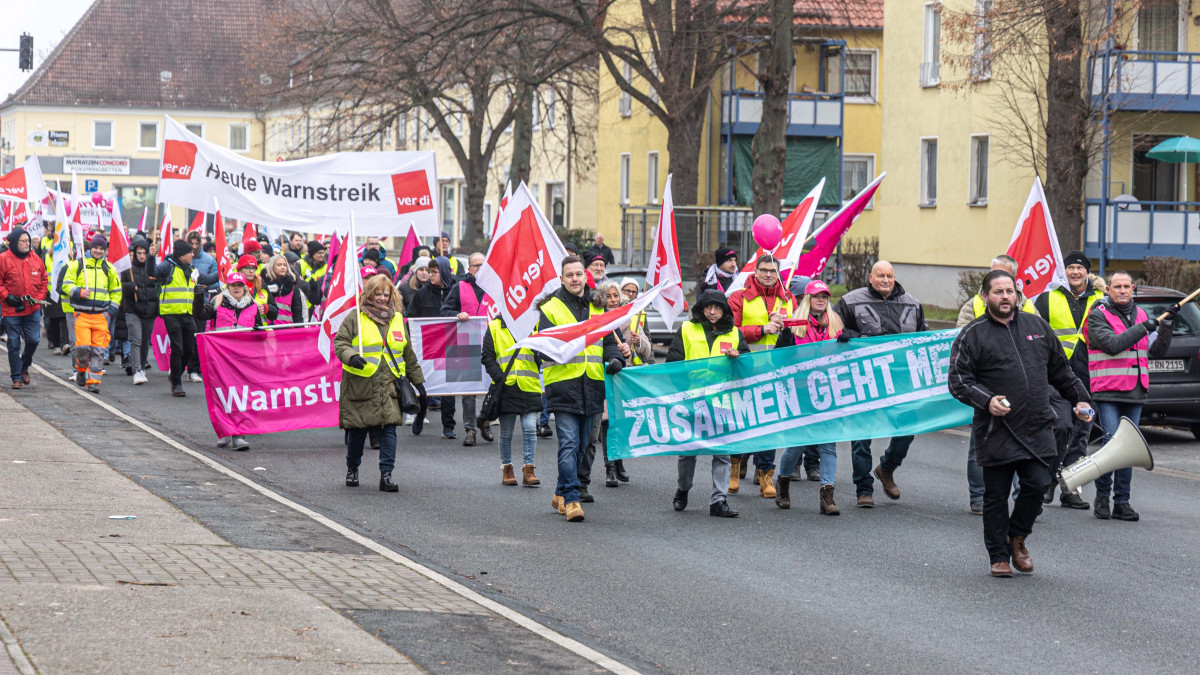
x=525, y=622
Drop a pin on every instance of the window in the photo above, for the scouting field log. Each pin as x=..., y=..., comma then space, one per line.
x=652, y=178
x=857, y=172
x=239, y=137
x=448, y=207
x=626, y=102
x=195, y=128
x=1158, y=26
x=134, y=200
x=624, y=178
x=102, y=134
x=861, y=66
x=758, y=68
x=548, y=100
x=931, y=53
x=1153, y=181
x=929, y=148
x=653, y=92
x=555, y=193
x=487, y=218
x=979, y=170
x=402, y=130
x=147, y=135
x=981, y=57
x=535, y=110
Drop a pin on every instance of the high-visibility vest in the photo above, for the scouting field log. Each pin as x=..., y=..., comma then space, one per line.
x=637, y=323
x=979, y=306
x=309, y=273
x=97, y=276
x=284, y=303
x=229, y=318
x=1063, y=322
x=524, y=371
x=373, y=349
x=695, y=344
x=176, y=296
x=754, y=313
x=589, y=362
x=1120, y=372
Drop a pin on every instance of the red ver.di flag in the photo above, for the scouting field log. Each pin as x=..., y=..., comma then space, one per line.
x=563, y=343
x=664, y=262
x=522, y=262
x=449, y=351
x=24, y=183
x=1034, y=246
x=795, y=233
x=825, y=240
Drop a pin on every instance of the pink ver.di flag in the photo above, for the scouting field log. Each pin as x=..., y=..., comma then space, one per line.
x=812, y=262
x=795, y=231
x=160, y=345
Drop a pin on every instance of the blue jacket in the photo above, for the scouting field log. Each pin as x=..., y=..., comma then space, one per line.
x=205, y=263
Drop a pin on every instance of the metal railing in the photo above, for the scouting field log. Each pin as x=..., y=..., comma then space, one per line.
x=807, y=111
x=1146, y=75
x=1136, y=229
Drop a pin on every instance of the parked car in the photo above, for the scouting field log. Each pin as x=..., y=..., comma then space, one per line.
x=1174, y=379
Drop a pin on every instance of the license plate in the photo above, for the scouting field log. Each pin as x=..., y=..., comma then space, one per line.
x=1166, y=366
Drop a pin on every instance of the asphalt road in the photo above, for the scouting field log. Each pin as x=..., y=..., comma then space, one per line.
x=902, y=587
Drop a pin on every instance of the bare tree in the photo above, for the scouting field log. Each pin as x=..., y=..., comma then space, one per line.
x=769, y=146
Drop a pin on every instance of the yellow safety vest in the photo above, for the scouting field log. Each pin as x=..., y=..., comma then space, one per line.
x=638, y=322
x=307, y=271
x=524, y=371
x=177, y=295
x=979, y=306
x=754, y=313
x=1063, y=322
x=97, y=276
x=591, y=361
x=695, y=345
x=372, y=346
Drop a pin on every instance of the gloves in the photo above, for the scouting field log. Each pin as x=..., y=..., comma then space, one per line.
x=14, y=300
x=420, y=387
x=614, y=367
x=274, y=288
x=357, y=361
x=1150, y=325
x=843, y=337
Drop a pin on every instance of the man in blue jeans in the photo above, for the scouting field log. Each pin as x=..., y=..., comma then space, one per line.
x=1121, y=340
x=23, y=282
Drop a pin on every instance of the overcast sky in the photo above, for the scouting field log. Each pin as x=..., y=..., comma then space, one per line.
x=46, y=20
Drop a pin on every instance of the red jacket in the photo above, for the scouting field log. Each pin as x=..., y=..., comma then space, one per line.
x=753, y=290
x=20, y=277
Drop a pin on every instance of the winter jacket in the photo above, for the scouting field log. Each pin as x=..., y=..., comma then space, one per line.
x=21, y=275
x=139, y=290
x=711, y=331
x=205, y=263
x=428, y=301
x=407, y=293
x=714, y=280
x=1099, y=335
x=581, y=395
x=370, y=401
x=1020, y=361
x=514, y=401
x=865, y=312
x=452, y=305
x=262, y=318
x=773, y=296
x=280, y=287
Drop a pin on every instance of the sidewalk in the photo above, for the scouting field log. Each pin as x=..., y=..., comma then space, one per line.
x=82, y=592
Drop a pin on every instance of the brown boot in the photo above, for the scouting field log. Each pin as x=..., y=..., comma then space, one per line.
x=507, y=478
x=783, y=497
x=766, y=484
x=828, y=508
x=574, y=512
x=866, y=502
x=527, y=477
x=889, y=486
x=556, y=503
x=1020, y=555
x=1001, y=569
x=758, y=476
x=735, y=465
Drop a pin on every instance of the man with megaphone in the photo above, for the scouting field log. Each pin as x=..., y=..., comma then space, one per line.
x=1003, y=365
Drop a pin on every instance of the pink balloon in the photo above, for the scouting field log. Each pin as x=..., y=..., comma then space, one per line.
x=97, y=198
x=108, y=205
x=767, y=231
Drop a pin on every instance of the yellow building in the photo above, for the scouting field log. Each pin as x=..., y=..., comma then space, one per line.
x=833, y=131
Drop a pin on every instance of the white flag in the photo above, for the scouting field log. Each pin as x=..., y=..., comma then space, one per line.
x=563, y=343
x=343, y=295
x=664, y=266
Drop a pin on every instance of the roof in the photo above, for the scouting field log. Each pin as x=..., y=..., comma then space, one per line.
x=186, y=54
x=863, y=14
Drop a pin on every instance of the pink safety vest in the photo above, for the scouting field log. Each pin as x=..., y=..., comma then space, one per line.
x=234, y=318
x=1120, y=372
x=284, y=304
x=470, y=304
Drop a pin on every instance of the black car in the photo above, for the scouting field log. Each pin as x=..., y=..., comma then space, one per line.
x=1174, y=379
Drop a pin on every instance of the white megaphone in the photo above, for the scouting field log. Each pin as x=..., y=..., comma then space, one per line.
x=1126, y=448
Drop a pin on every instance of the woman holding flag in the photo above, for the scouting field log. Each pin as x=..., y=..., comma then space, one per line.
x=374, y=336
x=283, y=290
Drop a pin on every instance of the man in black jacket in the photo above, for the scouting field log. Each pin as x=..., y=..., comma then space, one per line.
x=463, y=307
x=716, y=334
x=139, y=293
x=1004, y=364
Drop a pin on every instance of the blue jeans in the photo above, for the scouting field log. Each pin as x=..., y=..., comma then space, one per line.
x=861, y=459
x=826, y=451
x=544, y=418
x=1109, y=414
x=974, y=473
x=356, y=438
x=528, y=436
x=573, y=433
x=28, y=328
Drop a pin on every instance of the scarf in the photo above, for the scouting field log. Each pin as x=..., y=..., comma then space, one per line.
x=380, y=315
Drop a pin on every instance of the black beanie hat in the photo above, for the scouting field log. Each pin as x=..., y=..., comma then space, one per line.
x=1077, y=258
x=371, y=254
x=722, y=254
x=180, y=249
x=314, y=247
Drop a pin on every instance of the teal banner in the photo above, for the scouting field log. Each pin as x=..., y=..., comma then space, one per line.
x=824, y=392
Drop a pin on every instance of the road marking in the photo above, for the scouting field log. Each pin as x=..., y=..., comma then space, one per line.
x=525, y=622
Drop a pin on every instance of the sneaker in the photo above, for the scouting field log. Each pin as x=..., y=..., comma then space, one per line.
x=721, y=510
x=1071, y=500
x=1123, y=511
x=195, y=377
x=240, y=444
x=543, y=431
x=177, y=391
x=408, y=419
x=139, y=377
x=223, y=442
x=1101, y=508
x=977, y=508
x=448, y=434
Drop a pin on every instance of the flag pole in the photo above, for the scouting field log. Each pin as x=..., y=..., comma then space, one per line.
x=351, y=242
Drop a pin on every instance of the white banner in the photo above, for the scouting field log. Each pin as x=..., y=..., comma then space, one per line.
x=386, y=190
x=450, y=351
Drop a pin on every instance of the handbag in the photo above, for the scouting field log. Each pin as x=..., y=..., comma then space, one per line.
x=409, y=403
x=489, y=410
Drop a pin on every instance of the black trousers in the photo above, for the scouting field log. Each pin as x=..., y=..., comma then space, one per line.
x=193, y=362
x=181, y=328
x=1070, y=434
x=998, y=525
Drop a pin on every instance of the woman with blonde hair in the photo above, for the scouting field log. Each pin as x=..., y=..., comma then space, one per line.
x=281, y=285
x=373, y=346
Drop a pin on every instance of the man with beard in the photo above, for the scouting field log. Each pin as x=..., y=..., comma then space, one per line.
x=1003, y=364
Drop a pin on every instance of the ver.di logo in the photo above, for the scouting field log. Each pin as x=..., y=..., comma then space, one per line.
x=179, y=159
x=411, y=190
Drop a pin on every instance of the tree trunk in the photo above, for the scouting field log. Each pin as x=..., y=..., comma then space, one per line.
x=522, y=138
x=475, y=175
x=769, y=146
x=685, y=131
x=1066, y=123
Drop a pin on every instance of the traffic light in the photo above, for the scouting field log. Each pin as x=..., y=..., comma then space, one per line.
x=26, y=55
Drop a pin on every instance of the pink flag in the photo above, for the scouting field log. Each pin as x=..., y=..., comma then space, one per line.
x=812, y=262
x=411, y=242
x=167, y=241
x=503, y=203
x=142, y=222
x=563, y=343
x=118, y=244
x=342, y=298
x=664, y=262
x=795, y=231
x=1034, y=245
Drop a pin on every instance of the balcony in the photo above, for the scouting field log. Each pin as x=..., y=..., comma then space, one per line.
x=1134, y=230
x=1143, y=81
x=809, y=114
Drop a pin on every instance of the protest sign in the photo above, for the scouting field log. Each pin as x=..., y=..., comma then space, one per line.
x=822, y=392
x=449, y=351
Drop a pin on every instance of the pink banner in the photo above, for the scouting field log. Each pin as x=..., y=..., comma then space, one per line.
x=259, y=382
x=160, y=344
